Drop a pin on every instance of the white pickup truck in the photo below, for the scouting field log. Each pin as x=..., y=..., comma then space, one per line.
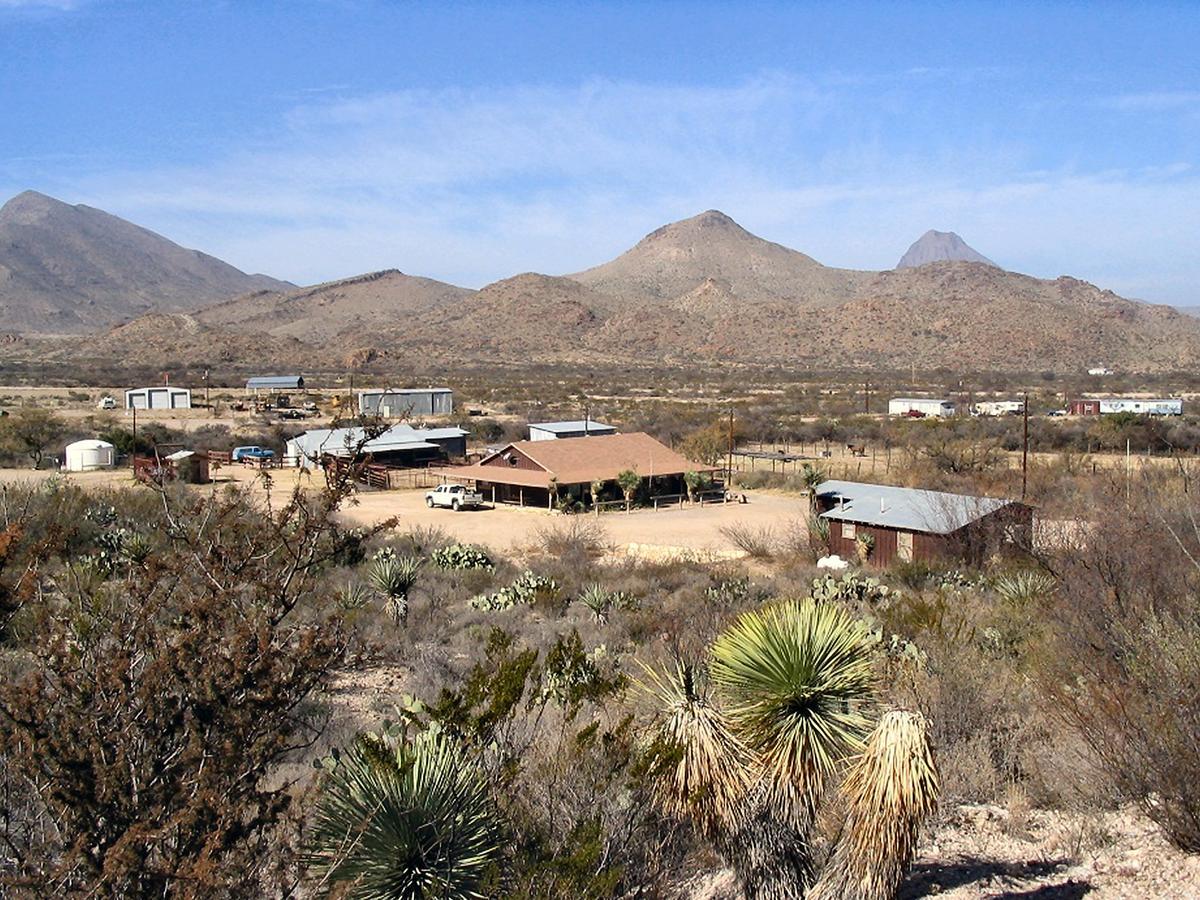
x=453, y=496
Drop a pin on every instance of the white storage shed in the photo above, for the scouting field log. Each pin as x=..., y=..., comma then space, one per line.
x=162, y=397
x=84, y=456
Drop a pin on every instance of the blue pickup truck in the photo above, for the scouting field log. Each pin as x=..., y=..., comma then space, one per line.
x=251, y=454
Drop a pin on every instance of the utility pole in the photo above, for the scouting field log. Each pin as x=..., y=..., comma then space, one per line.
x=867, y=397
x=729, y=465
x=1025, y=448
x=206, y=403
x=133, y=449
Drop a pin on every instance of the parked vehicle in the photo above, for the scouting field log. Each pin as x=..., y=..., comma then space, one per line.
x=106, y=403
x=251, y=454
x=453, y=496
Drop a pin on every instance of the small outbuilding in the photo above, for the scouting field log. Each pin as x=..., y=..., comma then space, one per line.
x=161, y=397
x=889, y=524
x=86, y=456
x=397, y=403
x=550, y=431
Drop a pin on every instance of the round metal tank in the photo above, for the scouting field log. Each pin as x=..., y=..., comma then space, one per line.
x=84, y=456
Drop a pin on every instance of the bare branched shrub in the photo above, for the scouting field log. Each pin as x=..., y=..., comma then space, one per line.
x=572, y=539
x=1124, y=666
x=757, y=542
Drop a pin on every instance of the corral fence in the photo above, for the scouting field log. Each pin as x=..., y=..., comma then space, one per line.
x=383, y=478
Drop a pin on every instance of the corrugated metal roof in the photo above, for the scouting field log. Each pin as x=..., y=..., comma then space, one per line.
x=910, y=509
x=275, y=381
x=572, y=425
x=402, y=436
x=371, y=392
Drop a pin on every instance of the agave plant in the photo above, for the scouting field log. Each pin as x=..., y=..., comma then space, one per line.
x=393, y=577
x=401, y=820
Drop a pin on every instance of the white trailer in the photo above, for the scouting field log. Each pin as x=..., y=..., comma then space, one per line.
x=998, y=408
x=920, y=406
x=1165, y=407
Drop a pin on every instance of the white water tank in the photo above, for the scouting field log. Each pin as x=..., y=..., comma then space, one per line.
x=84, y=456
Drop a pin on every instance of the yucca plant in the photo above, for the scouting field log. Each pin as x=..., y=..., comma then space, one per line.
x=890, y=789
x=598, y=600
x=794, y=706
x=798, y=682
x=401, y=820
x=393, y=577
x=1024, y=587
x=354, y=595
x=812, y=478
x=703, y=769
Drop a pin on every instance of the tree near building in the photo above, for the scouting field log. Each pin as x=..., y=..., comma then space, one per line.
x=28, y=431
x=629, y=481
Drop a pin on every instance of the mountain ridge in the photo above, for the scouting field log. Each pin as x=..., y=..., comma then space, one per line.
x=700, y=290
x=72, y=268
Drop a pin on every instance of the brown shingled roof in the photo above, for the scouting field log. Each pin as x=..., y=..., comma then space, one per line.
x=582, y=460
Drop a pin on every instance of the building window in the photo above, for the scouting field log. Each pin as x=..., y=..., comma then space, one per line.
x=904, y=546
x=848, y=531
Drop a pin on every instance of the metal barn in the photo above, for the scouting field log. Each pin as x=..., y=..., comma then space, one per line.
x=396, y=403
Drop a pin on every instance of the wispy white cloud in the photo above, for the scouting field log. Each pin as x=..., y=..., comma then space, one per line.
x=1154, y=101
x=62, y=5
x=470, y=186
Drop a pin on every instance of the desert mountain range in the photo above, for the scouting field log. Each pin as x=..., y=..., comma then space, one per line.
x=69, y=269
x=701, y=289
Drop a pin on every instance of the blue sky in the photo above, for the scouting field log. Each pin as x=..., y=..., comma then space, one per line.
x=314, y=140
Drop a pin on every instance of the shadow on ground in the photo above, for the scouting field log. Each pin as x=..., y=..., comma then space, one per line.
x=993, y=879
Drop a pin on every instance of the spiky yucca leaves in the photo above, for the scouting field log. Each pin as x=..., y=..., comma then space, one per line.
x=393, y=577
x=798, y=683
x=405, y=821
x=701, y=770
x=1022, y=588
x=890, y=789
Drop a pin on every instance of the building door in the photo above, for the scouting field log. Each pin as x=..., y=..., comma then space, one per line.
x=904, y=546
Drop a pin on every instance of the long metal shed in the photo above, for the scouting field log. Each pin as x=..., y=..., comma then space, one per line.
x=275, y=383
x=398, y=402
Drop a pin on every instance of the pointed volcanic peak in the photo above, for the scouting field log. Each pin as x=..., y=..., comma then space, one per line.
x=673, y=262
x=67, y=269
x=365, y=303
x=940, y=246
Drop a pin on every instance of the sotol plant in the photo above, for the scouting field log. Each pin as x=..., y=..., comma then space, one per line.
x=793, y=707
x=404, y=820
